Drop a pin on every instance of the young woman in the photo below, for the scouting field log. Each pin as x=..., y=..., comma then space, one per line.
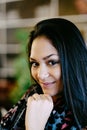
x=58, y=62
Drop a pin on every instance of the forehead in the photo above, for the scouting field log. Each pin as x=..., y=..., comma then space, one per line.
x=42, y=46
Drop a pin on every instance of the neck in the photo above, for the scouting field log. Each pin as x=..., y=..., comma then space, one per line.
x=58, y=97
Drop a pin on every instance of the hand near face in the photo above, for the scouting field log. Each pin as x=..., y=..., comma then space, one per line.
x=38, y=111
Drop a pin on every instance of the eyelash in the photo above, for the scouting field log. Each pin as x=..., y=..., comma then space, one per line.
x=50, y=62
x=34, y=64
x=53, y=62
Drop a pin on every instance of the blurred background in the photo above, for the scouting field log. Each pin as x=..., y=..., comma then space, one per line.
x=17, y=18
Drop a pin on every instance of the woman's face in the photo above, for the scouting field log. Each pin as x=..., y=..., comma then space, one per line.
x=45, y=66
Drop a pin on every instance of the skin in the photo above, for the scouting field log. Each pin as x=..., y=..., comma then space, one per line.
x=46, y=70
x=46, y=67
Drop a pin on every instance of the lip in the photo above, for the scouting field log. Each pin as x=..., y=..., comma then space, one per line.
x=47, y=84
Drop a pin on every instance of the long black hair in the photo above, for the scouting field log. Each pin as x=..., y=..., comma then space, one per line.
x=70, y=45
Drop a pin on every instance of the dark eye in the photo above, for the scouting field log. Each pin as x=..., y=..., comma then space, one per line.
x=53, y=62
x=34, y=64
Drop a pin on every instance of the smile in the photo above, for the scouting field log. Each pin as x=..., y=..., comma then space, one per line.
x=47, y=84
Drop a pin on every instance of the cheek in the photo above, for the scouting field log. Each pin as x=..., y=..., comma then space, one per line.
x=33, y=73
x=57, y=73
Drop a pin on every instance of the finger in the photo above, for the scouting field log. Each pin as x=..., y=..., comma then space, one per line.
x=36, y=96
x=46, y=97
x=30, y=99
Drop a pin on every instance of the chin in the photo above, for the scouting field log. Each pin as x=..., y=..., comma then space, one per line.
x=50, y=93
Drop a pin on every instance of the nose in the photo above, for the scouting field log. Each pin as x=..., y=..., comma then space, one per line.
x=43, y=72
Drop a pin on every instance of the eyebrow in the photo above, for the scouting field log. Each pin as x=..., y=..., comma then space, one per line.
x=45, y=58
